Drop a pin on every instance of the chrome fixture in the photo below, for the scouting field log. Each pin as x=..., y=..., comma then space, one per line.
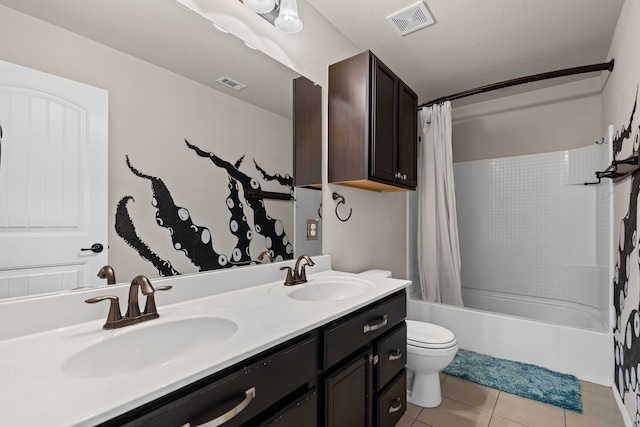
x=298, y=275
x=284, y=15
x=265, y=254
x=107, y=272
x=133, y=315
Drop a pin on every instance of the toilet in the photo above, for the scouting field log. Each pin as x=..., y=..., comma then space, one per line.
x=430, y=348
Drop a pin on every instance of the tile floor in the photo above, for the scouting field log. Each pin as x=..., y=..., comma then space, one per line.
x=466, y=404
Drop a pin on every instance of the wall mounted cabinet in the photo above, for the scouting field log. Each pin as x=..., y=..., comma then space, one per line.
x=373, y=126
x=307, y=133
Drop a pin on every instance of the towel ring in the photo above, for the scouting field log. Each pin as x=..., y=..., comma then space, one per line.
x=340, y=199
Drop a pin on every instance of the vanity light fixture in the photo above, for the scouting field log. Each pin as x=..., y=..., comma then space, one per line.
x=288, y=20
x=282, y=14
x=260, y=6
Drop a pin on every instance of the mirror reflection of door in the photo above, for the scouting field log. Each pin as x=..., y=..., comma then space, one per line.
x=53, y=182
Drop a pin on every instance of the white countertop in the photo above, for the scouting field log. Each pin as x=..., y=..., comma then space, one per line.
x=34, y=390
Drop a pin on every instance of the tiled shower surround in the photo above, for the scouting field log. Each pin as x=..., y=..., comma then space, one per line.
x=529, y=226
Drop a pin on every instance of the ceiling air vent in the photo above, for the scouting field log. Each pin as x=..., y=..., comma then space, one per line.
x=230, y=83
x=411, y=19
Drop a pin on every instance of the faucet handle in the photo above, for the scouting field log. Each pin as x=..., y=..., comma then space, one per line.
x=289, y=280
x=114, y=314
x=303, y=273
x=150, y=305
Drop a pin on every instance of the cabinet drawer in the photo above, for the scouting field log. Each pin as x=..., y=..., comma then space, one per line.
x=303, y=412
x=391, y=404
x=248, y=391
x=391, y=352
x=348, y=335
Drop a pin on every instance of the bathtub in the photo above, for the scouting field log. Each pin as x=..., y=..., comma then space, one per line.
x=577, y=343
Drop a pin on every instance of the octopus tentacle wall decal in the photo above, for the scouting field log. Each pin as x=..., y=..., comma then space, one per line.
x=194, y=241
x=624, y=132
x=627, y=341
x=238, y=223
x=125, y=229
x=626, y=246
x=286, y=180
x=276, y=240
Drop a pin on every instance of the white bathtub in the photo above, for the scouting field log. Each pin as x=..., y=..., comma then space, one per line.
x=584, y=349
x=547, y=310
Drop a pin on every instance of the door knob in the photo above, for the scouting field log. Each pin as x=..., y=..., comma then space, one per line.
x=96, y=247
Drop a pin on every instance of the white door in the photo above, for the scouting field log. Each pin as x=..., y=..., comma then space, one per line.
x=53, y=182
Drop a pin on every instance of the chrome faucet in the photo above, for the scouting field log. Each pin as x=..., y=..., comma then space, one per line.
x=107, y=272
x=298, y=274
x=133, y=315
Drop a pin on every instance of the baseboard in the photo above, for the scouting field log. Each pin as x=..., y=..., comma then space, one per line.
x=621, y=407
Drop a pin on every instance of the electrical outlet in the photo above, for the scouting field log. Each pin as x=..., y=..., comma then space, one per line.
x=312, y=229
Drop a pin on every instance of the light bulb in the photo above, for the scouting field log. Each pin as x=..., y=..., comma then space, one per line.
x=288, y=19
x=260, y=6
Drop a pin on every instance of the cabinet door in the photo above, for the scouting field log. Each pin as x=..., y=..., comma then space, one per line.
x=407, y=136
x=348, y=394
x=307, y=133
x=384, y=86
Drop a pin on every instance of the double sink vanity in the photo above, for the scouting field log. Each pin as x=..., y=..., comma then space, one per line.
x=233, y=347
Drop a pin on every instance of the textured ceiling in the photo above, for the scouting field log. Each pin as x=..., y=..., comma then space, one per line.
x=477, y=42
x=472, y=43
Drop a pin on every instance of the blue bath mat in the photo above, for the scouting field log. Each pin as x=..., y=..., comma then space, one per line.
x=530, y=381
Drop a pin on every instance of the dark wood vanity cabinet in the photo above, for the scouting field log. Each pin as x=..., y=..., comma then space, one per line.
x=373, y=126
x=349, y=373
x=364, y=358
x=307, y=133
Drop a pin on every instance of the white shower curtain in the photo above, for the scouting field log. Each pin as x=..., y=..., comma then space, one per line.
x=438, y=245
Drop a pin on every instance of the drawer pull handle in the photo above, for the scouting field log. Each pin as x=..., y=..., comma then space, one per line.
x=396, y=406
x=249, y=394
x=382, y=323
x=395, y=355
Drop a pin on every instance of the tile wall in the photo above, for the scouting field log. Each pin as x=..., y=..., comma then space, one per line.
x=529, y=226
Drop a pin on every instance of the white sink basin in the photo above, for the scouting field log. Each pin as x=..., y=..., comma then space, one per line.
x=329, y=289
x=91, y=352
x=137, y=349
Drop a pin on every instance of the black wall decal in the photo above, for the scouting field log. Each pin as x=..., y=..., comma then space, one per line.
x=286, y=180
x=624, y=133
x=276, y=240
x=238, y=223
x=125, y=229
x=194, y=241
x=627, y=351
x=626, y=246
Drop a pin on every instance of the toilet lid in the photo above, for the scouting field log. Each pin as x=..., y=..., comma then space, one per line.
x=428, y=335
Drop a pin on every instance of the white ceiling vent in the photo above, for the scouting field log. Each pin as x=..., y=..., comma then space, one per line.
x=230, y=83
x=411, y=19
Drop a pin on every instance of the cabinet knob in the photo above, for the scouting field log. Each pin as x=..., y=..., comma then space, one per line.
x=404, y=176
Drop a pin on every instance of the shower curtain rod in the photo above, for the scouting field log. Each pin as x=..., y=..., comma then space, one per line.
x=529, y=79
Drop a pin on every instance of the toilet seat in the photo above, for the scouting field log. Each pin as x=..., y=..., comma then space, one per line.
x=429, y=336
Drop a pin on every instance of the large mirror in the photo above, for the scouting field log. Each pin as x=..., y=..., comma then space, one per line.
x=182, y=146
